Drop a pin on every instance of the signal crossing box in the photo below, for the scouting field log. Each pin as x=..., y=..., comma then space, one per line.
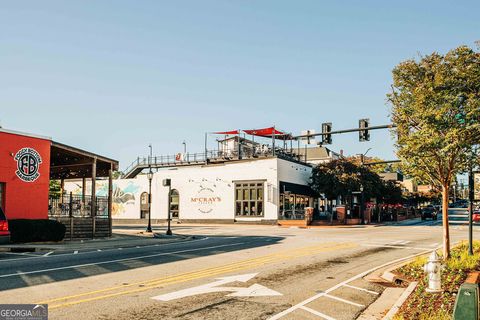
x=466, y=305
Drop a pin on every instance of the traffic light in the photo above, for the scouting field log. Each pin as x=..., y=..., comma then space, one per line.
x=326, y=128
x=363, y=134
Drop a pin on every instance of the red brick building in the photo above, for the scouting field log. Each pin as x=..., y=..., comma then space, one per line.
x=27, y=164
x=24, y=175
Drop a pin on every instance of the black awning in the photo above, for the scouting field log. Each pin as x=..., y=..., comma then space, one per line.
x=297, y=189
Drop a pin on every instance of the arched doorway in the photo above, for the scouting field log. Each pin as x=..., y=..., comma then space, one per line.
x=174, y=204
x=144, y=205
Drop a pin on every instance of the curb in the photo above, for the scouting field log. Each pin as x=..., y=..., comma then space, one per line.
x=388, y=276
x=396, y=306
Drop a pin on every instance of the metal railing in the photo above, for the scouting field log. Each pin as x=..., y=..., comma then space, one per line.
x=69, y=205
x=212, y=156
x=298, y=214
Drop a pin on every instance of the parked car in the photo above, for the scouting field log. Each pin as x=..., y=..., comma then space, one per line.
x=476, y=216
x=4, y=232
x=429, y=212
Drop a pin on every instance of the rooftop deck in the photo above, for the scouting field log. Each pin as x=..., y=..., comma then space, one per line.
x=209, y=157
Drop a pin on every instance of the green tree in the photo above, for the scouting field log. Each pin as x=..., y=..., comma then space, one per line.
x=340, y=177
x=55, y=188
x=436, y=106
x=391, y=193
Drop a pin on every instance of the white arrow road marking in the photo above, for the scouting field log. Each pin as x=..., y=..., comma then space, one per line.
x=255, y=290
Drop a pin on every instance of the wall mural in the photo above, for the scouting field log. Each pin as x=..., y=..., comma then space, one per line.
x=123, y=196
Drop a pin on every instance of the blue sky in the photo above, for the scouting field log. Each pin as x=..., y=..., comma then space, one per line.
x=113, y=76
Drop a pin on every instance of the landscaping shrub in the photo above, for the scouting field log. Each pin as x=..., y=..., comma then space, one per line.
x=25, y=230
x=422, y=305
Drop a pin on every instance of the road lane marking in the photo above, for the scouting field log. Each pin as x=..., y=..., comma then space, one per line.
x=361, y=289
x=116, y=260
x=48, y=253
x=254, y=290
x=21, y=254
x=343, y=300
x=185, y=277
x=75, y=252
x=179, y=278
x=317, y=313
x=62, y=254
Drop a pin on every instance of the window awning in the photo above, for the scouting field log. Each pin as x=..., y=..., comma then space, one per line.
x=297, y=189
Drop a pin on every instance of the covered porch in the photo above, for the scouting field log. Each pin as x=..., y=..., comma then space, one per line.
x=85, y=215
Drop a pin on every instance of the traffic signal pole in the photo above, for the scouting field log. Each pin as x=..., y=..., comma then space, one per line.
x=387, y=126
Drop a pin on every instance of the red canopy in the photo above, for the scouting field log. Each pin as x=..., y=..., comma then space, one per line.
x=267, y=132
x=228, y=132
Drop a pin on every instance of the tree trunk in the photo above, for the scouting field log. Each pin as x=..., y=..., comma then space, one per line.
x=446, y=233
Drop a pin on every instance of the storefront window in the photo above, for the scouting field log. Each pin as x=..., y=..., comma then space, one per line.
x=249, y=199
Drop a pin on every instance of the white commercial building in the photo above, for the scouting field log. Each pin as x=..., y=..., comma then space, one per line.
x=248, y=182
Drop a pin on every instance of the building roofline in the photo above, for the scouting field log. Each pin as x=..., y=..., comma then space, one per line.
x=25, y=134
x=84, y=152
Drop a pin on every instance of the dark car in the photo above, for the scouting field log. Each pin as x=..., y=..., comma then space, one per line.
x=4, y=232
x=429, y=212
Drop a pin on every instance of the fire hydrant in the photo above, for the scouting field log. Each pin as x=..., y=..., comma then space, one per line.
x=433, y=268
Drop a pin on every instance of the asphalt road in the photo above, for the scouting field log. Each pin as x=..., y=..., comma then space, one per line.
x=278, y=273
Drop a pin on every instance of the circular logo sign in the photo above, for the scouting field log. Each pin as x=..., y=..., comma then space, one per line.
x=28, y=164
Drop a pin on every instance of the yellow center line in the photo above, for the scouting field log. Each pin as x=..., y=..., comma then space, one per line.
x=186, y=274
x=214, y=271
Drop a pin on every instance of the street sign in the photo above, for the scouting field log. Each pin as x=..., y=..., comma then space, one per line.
x=254, y=290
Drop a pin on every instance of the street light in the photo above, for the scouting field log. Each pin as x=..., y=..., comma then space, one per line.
x=184, y=147
x=150, y=177
x=168, y=183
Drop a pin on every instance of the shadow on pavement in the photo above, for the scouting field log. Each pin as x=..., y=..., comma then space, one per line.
x=39, y=269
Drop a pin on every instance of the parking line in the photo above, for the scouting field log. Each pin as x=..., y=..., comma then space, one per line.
x=343, y=300
x=361, y=289
x=321, y=294
x=315, y=312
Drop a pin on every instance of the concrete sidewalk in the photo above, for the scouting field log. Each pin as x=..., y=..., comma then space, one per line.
x=118, y=240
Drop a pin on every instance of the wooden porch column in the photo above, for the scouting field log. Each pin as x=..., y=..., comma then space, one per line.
x=84, y=188
x=94, y=198
x=62, y=189
x=110, y=199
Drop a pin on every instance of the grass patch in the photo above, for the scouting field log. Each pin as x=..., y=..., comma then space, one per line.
x=423, y=305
